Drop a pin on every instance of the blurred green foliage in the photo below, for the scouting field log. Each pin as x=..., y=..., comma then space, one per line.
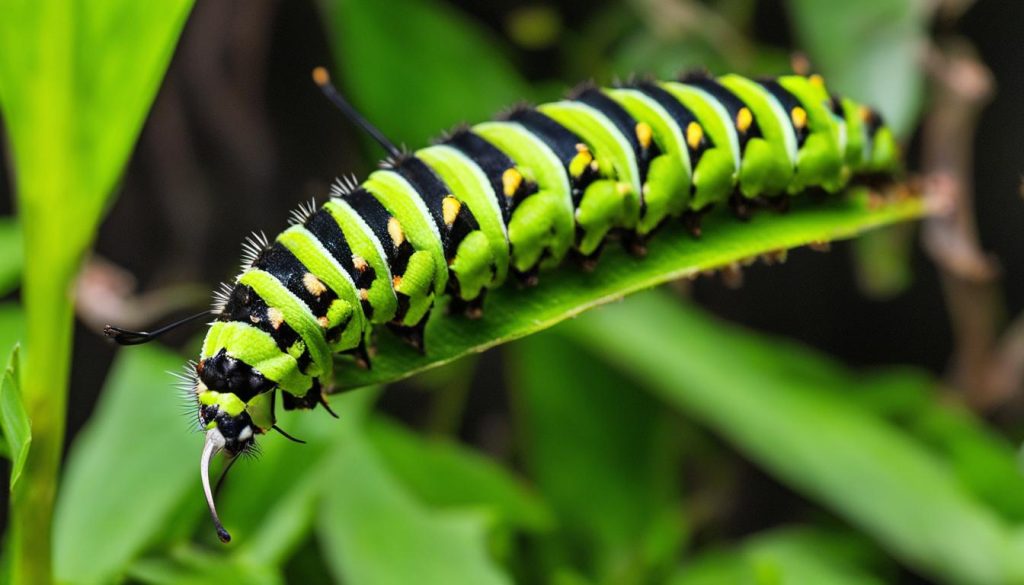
x=607, y=410
x=76, y=80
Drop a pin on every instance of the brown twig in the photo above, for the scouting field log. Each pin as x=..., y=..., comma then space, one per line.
x=961, y=87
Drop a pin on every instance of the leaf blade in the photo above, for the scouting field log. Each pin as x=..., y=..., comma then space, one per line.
x=111, y=464
x=14, y=421
x=373, y=531
x=511, y=313
x=862, y=468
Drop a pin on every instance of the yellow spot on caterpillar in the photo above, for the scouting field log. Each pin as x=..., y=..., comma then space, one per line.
x=275, y=316
x=744, y=119
x=359, y=262
x=643, y=134
x=396, y=232
x=817, y=80
x=594, y=166
x=313, y=284
x=694, y=135
x=396, y=282
x=510, y=181
x=364, y=295
x=323, y=321
x=450, y=207
x=623, y=188
x=865, y=113
x=254, y=318
x=799, y=116
x=581, y=161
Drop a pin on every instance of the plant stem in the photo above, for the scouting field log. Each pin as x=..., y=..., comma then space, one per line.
x=44, y=387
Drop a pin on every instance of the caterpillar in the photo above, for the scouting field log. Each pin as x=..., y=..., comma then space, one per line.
x=500, y=199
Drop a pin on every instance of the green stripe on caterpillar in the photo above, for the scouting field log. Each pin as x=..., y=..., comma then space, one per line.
x=506, y=199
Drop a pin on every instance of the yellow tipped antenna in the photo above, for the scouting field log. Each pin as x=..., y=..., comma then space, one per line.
x=323, y=81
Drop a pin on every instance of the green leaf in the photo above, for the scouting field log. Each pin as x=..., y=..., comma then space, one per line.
x=191, y=566
x=870, y=50
x=17, y=429
x=269, y=503
x=11, y=254
x=882, y=261
x=12, y=330
x=588, y=430
x=129, y=471
x=982, y=459
x=443, y=474
x=76, y=79
x=265, y=501
x=12, y=327
x=417, y=67
x=512, y=313
x=374, y=531
x=781, y=557
x=866, y=470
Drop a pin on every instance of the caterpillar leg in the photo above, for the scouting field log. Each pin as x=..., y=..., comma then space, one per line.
x=315, y=396
x=606, y=204
x=412, y=334
x=635, y=243
x=535, y=234
x=361, y=354
x=472, y=269
x=471, y=309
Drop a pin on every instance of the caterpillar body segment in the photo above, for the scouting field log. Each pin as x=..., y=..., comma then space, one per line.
x=505, y=198
x=665, y=187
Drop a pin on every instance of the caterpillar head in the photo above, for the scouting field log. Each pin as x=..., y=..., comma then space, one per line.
x=227, y=390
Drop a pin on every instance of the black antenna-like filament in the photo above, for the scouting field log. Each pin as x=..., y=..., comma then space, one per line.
x=323, y=80
x=126, y=337
x=287, y=436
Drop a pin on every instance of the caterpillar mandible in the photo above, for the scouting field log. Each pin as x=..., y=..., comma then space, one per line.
x=508, y=197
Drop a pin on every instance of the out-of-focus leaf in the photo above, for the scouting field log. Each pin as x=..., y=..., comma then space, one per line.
x=870, y=50
x=374, y=531
x=285, y=525
x=877, y=477
x=129, y=471
x=984, y=461
x=279, y=486
x=17, y=429
x=12, y=327
x=882, y=261
x=269, y=504
x=422, y=72
x=511, y=313
x=76, y=80
x=534, y=27
x=191, y=566
x=783, y=557
x=602, y=453
x=11, y=254
x=443, y=474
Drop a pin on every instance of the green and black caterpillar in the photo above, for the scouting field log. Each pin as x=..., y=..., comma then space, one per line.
x=508, y=197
